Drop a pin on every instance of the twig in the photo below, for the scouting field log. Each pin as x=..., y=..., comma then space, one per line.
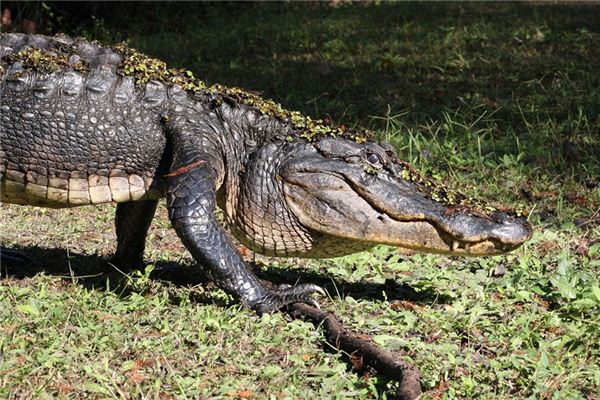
x=362, y=347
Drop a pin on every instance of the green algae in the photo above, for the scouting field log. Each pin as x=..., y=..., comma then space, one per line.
x=45, y=61
x=455, y=202
x=305, y=127
x=144, y=69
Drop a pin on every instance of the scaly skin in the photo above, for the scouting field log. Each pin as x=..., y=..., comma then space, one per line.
x=86, y=124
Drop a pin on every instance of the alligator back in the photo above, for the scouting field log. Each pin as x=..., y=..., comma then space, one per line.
x=73, y=130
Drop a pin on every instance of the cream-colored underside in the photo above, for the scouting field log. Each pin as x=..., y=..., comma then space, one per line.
x=16, y=188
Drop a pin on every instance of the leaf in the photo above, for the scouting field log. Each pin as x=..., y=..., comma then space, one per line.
x=127, y=365
x=28, y=309
x=383, y=339
x=543, y=361
x=584, y=303
x=244, y=394
x=135, y=376
x=95, y=388
x=596, y=291
x=523, y=295
x=564, y=287
x=271, y=371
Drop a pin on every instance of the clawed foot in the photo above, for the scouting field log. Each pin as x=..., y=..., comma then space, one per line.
x=283, y=295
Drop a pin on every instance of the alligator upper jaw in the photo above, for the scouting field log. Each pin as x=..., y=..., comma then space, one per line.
x=338, y=199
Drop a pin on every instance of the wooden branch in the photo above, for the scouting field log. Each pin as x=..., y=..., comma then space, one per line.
x=362, y=350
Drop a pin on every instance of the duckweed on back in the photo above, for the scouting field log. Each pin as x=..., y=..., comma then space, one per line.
x=145, y=69
x=44, y=61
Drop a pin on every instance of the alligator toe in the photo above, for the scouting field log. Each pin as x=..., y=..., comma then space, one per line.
x=274, y=299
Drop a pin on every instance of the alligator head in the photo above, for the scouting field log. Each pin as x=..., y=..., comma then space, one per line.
x=340, y=196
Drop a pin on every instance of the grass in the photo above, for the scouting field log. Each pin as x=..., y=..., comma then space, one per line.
x=499, y=100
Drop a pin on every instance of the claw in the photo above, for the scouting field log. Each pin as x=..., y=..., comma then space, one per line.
x=286, y=294
x=312, y=302
x=304, y=288
x=319, y=290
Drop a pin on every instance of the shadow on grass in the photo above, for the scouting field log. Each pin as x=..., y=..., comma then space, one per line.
x=95, y=272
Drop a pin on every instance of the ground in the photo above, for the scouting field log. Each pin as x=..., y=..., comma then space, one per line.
x=498, y=100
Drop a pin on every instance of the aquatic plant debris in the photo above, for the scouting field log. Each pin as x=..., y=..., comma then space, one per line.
x=144, y=69
x=45, y=61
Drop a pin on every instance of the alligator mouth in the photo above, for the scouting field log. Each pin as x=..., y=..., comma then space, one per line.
x=487, y=246
x=384, y=210
x=428, y=236
x=484, y=236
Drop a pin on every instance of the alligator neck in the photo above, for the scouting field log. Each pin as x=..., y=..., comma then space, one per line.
x=230, y=135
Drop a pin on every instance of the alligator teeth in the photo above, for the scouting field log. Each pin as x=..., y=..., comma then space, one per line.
x=455, y=244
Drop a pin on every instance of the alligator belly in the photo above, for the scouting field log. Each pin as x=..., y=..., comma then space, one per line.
x=32, y=189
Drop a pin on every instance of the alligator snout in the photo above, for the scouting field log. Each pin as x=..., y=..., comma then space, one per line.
x=475, y=235
x=512, y=231
x=501, y=227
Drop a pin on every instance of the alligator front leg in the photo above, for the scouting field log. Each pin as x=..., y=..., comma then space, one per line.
x=191, y=204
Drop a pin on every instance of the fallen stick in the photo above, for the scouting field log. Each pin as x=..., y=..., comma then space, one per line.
x=361, y=348
x=364, y=349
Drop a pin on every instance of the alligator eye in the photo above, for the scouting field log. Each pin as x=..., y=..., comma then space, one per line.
x=374, y=159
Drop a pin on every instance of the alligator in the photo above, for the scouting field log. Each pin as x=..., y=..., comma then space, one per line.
x=83, y=123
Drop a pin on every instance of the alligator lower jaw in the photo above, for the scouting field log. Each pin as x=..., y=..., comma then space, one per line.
x=423, y=236
x=482, y=248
